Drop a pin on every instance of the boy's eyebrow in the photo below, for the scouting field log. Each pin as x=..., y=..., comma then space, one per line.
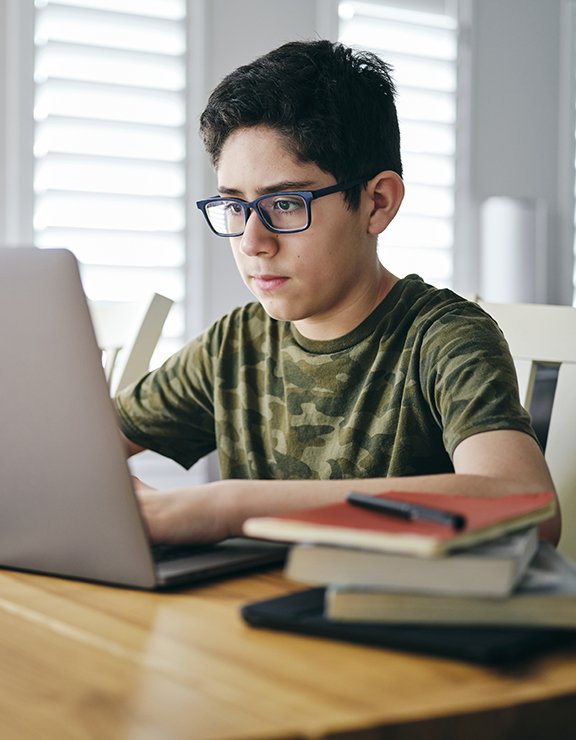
x=279, y=187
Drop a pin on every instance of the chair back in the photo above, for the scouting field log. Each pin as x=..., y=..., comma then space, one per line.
x=543, y=336
x=127, y=332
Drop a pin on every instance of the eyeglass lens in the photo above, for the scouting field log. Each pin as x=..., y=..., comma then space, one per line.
x=281, y=212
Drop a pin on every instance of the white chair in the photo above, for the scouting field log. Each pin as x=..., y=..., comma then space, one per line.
x=127, y=332
x=542, y=335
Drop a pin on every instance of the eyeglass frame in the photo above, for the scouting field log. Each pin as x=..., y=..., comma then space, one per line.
x=307, y=196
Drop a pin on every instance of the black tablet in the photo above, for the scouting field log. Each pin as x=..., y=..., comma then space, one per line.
x=303, y=612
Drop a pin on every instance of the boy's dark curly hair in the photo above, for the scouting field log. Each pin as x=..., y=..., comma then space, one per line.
x=332, y=105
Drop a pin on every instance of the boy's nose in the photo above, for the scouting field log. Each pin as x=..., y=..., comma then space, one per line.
x=257, y=239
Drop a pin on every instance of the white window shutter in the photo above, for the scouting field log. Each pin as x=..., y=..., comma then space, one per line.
x=110, y=146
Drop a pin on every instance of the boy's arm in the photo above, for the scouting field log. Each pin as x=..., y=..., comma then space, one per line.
x=492, y=464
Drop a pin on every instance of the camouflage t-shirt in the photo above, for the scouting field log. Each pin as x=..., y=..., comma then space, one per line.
x=394, y=397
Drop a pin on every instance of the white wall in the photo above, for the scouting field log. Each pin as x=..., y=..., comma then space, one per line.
x=522, y=124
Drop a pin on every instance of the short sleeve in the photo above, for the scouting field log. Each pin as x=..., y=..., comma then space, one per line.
x=468, y=377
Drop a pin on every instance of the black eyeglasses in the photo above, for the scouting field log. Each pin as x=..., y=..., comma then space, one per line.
x=282, y=213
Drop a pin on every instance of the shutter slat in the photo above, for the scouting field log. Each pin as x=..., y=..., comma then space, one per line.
x=110, y=147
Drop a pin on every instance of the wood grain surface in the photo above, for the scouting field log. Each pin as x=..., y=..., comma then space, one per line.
x=83, y=661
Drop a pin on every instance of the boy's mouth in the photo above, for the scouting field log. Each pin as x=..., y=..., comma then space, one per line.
x=269, y=282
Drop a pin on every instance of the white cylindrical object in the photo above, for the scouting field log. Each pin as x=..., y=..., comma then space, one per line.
x=511, y=249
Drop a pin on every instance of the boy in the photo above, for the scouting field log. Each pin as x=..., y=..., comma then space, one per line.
x=341, y=376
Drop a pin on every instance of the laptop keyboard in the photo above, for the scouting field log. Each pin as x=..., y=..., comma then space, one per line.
x=163, y=553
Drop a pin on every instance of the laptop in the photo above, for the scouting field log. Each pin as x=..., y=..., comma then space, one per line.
x=67, y=504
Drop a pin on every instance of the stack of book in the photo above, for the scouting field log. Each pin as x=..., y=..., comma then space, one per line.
x=379, y=568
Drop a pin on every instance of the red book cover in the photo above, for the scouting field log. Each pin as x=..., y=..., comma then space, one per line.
x=348, y=525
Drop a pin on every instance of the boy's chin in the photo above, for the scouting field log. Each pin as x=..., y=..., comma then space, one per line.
x=275, y=314
x=280, y=313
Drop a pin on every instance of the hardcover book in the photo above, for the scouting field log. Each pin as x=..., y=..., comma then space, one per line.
x=346, y=525
x=490, y=569
x=545, y=597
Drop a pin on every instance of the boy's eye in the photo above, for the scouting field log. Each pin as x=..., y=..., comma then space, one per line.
x=285, y=205
x=234, y=209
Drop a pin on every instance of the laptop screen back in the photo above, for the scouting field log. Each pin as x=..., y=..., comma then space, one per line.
x=66, y=501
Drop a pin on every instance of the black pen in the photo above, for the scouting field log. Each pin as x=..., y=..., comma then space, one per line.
x=410, y=512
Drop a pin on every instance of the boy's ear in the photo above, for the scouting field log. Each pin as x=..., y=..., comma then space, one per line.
x=385, y=193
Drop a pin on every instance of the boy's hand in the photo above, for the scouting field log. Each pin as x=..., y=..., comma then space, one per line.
x=182, y=515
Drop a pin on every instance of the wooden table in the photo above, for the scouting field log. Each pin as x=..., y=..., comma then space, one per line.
x=82, y=661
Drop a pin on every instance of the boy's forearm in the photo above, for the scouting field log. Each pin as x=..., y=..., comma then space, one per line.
x=243, y=499
x=214, y=511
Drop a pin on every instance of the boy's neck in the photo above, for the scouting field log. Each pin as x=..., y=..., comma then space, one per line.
x=351, y=315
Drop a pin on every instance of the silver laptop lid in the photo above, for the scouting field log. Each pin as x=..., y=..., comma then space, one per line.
x=67, y=505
